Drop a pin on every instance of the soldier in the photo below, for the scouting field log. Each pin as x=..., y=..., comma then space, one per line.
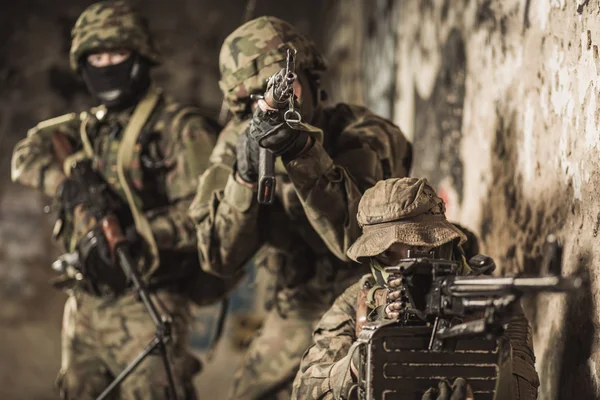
x=397, y=215
x=150, y=150
x=321, y=173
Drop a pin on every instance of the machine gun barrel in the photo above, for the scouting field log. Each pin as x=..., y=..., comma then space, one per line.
x=465, y=286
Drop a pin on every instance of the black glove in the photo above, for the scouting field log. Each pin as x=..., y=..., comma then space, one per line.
x=97, y=265
x=269, y=129
x=458, y=391
x=247, y=157
x=69, y=194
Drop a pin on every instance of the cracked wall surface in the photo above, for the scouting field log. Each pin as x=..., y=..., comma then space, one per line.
x=501, y=101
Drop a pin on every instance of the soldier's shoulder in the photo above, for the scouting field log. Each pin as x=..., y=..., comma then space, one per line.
x=350, y=294
x=173, y=117
x=343, y=309
x=350, y=112
x=356, y=120
x=61, y=122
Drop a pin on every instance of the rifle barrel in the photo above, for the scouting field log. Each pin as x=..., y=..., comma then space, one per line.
x=489, y=286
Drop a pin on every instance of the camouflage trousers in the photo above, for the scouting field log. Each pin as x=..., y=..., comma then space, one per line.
x=270, y=364
x=273, y=358
x=101, y=336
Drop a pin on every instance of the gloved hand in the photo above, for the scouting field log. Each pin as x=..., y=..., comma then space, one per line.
x=247, y=157
x=97, y=263
x=460, y=390
x=93, y=248
x=69, y=194
x=269, y=129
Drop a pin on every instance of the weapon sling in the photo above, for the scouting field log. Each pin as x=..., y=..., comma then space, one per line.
x=163, y=324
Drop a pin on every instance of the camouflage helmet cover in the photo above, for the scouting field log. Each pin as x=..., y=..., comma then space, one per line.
x=257, y=50
x=111, y=25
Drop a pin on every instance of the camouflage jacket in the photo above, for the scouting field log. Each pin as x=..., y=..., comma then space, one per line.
x=171, y=152
x=313, y=221
x=323, y=375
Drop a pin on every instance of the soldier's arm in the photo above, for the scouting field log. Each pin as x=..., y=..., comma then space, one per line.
x=225, y=211
x=525, y=377
x=330, y=189
x=324, y=371
x=33, y=160
x=193, y=142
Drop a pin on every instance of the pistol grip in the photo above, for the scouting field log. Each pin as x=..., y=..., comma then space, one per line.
x=266, y=176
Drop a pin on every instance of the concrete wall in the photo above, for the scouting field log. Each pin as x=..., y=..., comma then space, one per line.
x=501, y=100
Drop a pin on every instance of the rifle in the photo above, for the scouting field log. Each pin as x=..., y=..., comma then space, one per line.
x=101, y=202
x=449, y=326
x=279, y=95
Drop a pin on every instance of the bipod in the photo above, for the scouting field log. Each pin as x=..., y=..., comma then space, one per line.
x=163, y=329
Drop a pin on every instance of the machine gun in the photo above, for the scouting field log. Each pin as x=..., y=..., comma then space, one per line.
x=101, y=202
x=449, y=326
x=279, y=95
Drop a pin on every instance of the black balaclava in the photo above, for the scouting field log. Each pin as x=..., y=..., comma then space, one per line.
x=118, y=86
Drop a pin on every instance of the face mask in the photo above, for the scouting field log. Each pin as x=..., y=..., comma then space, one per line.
x=118, y=86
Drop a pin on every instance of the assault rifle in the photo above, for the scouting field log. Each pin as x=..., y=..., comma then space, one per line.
x=280, y=96
x=449, y=326
x=100, y=202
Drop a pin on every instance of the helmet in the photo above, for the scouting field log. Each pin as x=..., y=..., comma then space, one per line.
x=257, y=50
x=111, y=25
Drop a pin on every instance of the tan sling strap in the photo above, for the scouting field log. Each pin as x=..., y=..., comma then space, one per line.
x=125, y=158
x=88, y=150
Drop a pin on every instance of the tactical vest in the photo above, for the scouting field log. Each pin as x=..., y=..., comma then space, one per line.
x=203, y=288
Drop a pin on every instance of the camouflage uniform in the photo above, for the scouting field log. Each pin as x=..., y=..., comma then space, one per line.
x=305, y=233
x=103, y=333
x=394, y=211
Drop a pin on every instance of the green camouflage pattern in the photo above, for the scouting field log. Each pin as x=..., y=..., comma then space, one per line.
x=184, y=138
x=257, y=50
x=304, y=235
x=111, y=25
x=323, y=367
x=100, y=337
x=182, y=141
x=272, y=358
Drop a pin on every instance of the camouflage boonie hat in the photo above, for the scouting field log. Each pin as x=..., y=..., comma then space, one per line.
x=401, y=210
x=257, y=50
x=110, y=25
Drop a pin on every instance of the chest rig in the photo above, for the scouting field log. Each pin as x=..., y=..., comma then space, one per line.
x=116, y=162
